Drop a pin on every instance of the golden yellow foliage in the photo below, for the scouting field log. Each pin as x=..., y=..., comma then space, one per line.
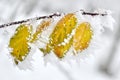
x=19, y=43
x=63, y=28
x=60, y=40
x=82, y=37
x=44, y=24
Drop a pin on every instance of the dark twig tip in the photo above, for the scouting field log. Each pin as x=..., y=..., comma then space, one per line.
x=94, y=14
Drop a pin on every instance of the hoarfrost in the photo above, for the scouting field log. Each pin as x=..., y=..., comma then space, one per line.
x=97, y=25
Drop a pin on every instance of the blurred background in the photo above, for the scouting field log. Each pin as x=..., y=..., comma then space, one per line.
x=104, y=65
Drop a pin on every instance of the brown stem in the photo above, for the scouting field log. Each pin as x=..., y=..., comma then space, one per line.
x=50, y=16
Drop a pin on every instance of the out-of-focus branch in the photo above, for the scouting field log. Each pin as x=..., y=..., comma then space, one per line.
x=50, y=16
x=65, y=72
x=106, y=67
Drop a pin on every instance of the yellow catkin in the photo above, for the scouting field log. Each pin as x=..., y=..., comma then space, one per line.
x=62, y=29
x=82, y=37
x=19, y=43
x=43, y=25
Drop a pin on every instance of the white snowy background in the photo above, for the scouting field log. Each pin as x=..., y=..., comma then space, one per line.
x=103, y=65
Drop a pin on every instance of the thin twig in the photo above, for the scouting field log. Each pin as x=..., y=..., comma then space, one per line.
x=27, y=20
x=50, y=16
x=94, y=14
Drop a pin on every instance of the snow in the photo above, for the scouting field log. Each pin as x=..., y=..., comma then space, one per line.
x=83, y=69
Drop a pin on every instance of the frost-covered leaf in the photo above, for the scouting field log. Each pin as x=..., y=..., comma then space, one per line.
x=61, y=32
x=19, y=43
x=82, y=37
x=43, y=25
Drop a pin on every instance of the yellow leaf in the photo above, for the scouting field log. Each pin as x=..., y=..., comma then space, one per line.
x=82, y=37
x=44, y=24
x=62, y=30
x=19, y=43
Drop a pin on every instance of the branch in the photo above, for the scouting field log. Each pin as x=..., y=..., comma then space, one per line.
x=94, y=14
x=50, y=16
x=27, y=20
